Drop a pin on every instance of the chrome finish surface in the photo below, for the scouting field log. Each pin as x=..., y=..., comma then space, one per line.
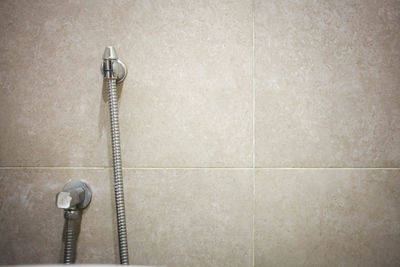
x=112, y=66
x=119, y=68
x=75, y=196
x=72, y=227
x=109, y=69
x=110, y=53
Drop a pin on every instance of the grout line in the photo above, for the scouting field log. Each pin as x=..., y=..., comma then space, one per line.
x=191, y=168
x=329, y=168
x=126, y=168
x=199, y=168
x=254, y=215
x=253, y=89
x=254, y=131
x=55, y=168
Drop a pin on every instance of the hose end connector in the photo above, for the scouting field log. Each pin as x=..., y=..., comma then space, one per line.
x=110, y=53
x=112, y=67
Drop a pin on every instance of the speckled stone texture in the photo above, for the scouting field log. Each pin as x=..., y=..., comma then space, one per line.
x=226, y=107
x=188, y=97
x=51, y=103
x=327, y=217
x=175, y=217
x=327, y=78
x=187, y=101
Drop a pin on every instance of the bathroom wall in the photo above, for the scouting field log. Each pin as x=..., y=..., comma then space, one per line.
x=254, y=133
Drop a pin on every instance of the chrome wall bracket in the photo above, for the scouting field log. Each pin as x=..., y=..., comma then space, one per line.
x=112, y=66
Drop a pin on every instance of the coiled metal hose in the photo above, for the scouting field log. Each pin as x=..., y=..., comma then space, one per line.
x=117, y=162
x=72, y=227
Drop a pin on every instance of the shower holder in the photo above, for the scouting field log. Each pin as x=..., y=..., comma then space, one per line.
x=119, y=69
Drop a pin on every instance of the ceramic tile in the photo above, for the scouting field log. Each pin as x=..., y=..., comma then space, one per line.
x=31, y=225
x=188, y=99
x=174, y=217
x=51, y=106
x=327, y=78
x=191, y=217
x=327, y=217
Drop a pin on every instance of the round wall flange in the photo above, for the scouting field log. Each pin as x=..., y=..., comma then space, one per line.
x=76, y=184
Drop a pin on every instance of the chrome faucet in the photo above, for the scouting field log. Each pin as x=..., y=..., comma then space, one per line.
x=75, y=196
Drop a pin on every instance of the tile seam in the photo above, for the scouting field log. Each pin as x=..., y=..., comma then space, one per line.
x=199, y=168
x=254, y=132
x=327, y=168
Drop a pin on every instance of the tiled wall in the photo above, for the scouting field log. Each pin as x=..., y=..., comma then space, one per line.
x=254, y=133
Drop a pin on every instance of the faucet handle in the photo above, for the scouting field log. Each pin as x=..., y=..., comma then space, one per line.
x=63, y=200
x=75, y=194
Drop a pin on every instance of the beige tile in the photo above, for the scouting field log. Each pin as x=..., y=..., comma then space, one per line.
x=327, y=217
x=52, y=111
x=186, y=101
x=190, y=217
x=178, y=217
x=31, y=225
x=327, y=83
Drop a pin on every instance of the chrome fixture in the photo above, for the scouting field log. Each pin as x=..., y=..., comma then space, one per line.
x=75, y=196
x=114, y=71
x=118, y=67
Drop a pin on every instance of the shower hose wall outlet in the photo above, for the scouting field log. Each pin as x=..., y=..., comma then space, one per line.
x=75, y=196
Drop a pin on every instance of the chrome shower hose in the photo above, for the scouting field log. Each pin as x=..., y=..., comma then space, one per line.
x=117, y=163
x=72, y=227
